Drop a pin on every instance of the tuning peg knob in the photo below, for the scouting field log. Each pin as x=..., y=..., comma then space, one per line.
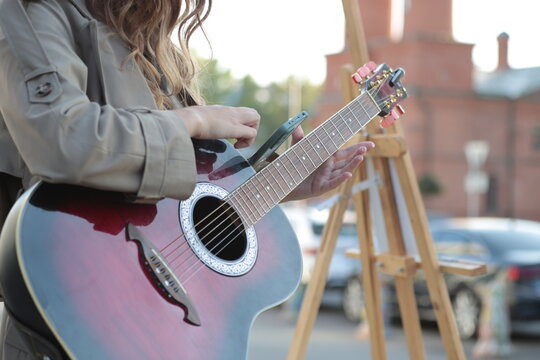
x=364, y=71
x=371, y=66
x=393, y=116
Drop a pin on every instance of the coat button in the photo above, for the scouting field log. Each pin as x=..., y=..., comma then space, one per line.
x=44, y=89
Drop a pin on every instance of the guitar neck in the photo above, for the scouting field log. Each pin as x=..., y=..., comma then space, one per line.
x=268, y=187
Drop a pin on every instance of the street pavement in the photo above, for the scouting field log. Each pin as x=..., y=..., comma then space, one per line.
x=334, y=338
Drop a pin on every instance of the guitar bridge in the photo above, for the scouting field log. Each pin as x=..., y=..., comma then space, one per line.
x=163, y=276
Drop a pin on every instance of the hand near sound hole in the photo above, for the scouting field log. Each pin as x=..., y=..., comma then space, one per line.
x=338, y=168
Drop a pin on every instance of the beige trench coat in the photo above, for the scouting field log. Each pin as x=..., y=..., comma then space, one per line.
x=71, y=113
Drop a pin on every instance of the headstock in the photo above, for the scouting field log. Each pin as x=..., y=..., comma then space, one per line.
x=384, y=85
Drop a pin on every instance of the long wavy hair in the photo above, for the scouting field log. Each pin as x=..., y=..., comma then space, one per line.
x=146, y=26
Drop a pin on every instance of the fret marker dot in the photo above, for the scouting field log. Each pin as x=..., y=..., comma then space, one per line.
x=303, y=158
x=317, y=146
x=291, y=184
x=268, y=188
x=350, y=120
x=333, y=134
x=258, y=196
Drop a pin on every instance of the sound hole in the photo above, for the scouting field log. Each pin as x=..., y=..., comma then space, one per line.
x=219, y=228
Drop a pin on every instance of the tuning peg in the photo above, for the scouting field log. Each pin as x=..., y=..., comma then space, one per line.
x=356, y=78
x=393, y=116
x=364, y=71
x=371, y=66
x=360, y=74
x=387, y=121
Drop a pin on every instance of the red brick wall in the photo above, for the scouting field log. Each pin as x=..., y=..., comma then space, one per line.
x=443, y=112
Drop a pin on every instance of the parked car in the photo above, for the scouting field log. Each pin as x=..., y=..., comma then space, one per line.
x=505, y=245
x=343, y=288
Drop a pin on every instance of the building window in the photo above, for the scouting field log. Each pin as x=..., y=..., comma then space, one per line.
x=536, y=138
x=491, y=196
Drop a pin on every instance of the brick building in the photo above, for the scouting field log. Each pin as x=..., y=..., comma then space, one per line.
x=451, y=103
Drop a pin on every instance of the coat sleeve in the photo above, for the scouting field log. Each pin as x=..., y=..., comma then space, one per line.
x=64, y=137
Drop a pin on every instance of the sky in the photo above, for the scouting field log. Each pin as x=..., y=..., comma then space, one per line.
x=271, y=40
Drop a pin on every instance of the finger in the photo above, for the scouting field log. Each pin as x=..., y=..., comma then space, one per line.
x=335, y=181
x=368, y=144
x=297, y=135
x=351, y=164
x=245, y=137
x=348, y=164
x=249, y=117
x=353, y=150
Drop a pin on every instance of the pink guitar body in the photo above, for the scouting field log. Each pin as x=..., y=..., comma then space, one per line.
x=177, y=280
x=88, y=280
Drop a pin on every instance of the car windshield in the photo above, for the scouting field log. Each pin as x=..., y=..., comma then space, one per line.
x=502, y=242
x=346, y=229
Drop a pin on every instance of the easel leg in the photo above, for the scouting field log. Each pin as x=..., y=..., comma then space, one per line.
x=317, y=283
x=403, y=285
x=370, y=279
x=434, y=277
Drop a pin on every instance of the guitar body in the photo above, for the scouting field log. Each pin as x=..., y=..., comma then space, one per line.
x=66, y=251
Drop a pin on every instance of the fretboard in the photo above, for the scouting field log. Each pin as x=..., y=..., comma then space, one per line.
x=268, y=187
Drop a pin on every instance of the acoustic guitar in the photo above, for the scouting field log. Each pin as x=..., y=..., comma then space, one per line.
x=111, y=279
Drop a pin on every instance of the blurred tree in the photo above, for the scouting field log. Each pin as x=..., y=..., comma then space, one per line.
x=272, y=101
x=429, y=185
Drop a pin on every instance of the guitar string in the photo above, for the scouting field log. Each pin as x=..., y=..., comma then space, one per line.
x=219, y=251
x=229, y=242
x=184, y=281
x=326, y=124
x=202, y=220
x=212, y=240
x=238, y=217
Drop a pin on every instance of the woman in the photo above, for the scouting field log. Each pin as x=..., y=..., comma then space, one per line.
x=95, y=93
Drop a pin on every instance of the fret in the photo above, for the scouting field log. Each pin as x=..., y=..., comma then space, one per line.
x=357, y=123
x=259, y=192
x=301, y=159
x=330, y=137
x=346, y=121
x=320, y=144
x=309, y=156
x=374, y=108
x=363, y=108
x=271, y=169
x=262, y=187
x=269, y=187
x=360, y=124
x=260, y=198
x=339, y=132
x=252, y=199
x=278, y=196
x=308, y=139
x=240, y=208
x=287, y=157
x=278, y=165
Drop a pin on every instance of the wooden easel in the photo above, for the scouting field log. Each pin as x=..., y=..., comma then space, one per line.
x=390, y=158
